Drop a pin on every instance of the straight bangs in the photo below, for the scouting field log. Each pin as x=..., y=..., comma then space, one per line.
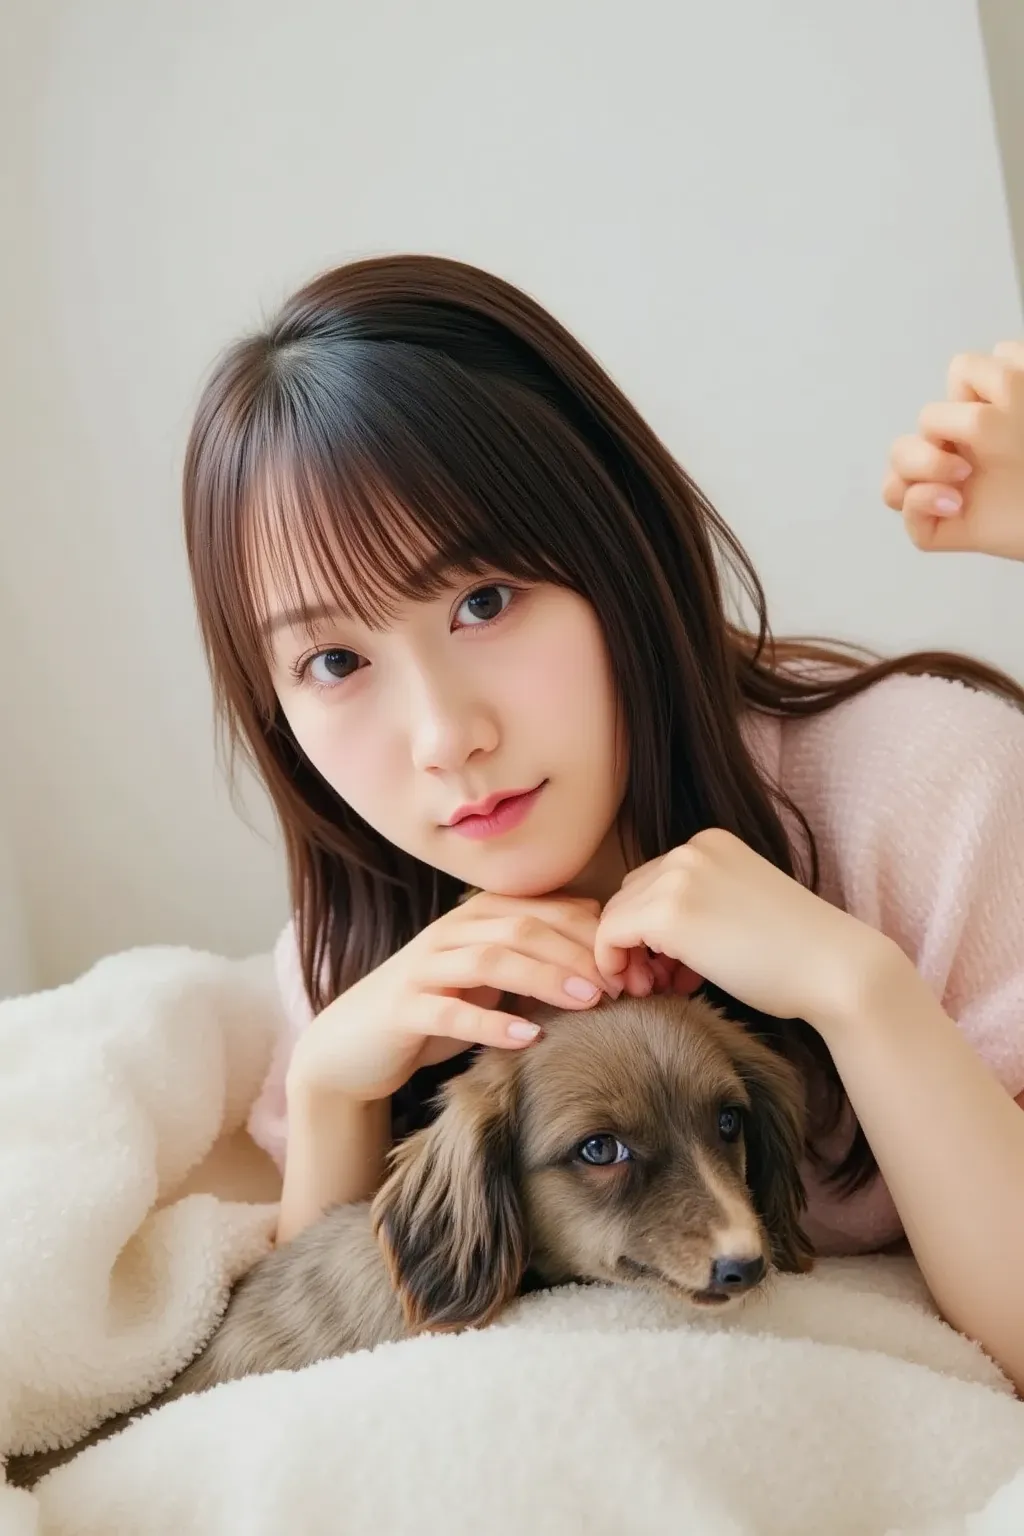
x=371, y=496
x=406, y=419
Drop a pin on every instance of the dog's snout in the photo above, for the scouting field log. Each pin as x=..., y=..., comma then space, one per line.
x=733, y=1276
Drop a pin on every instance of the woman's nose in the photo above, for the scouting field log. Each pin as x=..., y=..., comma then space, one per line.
x=449, y=727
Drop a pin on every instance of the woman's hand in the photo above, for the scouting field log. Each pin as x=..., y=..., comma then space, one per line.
x=959, y=483
x=723, y=911
x=440, y=994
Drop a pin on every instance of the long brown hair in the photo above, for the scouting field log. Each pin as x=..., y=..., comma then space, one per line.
x=422, y=416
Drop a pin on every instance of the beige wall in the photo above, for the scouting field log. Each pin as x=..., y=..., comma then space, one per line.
x=16, y=963
x=774, y=223
x=1002, y=25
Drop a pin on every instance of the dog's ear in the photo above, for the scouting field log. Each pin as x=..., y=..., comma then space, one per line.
x=775, y=1132
x=449, y=1217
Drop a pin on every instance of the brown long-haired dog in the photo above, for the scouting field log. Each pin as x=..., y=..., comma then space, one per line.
x=651, y=1142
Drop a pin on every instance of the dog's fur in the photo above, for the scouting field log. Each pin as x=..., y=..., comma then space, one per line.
x=493, y=1197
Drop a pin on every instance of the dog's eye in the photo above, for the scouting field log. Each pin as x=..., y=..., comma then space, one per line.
x=599, y=1151
x=730, y=1122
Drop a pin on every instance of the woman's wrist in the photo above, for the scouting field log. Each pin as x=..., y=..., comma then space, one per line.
x=305, y=1091
x=873, y=979
x=319, y=1105
x=310, y=1090
x=337, y=1150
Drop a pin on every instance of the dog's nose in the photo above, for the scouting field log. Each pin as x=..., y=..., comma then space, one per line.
x=734, y=1276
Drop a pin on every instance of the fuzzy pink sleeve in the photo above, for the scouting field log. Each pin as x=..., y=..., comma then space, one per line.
x=268, y=1118
x=915, y=792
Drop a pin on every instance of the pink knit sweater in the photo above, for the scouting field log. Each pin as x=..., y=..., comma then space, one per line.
x=915, y=794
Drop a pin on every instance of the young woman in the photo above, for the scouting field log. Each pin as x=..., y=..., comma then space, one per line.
x=467, y=616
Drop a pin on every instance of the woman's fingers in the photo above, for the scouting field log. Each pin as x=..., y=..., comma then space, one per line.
x=569, y=914
x=916, y=459
x=530, y=936
x=663, y=969
x=574, y=917
x=986, y=376
x=964, y=424
x=958, y=483
x=894, y=488
x=494, y=965
x=686, y=980
x=934, y=525
x=439, y=1048
x=456, y=1019
x=622, y=928
x=1011, y=352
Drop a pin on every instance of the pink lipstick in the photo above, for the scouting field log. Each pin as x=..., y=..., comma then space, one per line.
x=497, y=814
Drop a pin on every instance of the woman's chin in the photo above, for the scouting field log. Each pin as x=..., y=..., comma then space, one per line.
x=521, y=877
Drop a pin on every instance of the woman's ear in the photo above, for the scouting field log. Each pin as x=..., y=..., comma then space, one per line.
x=775, y=1130
x=449, y=1217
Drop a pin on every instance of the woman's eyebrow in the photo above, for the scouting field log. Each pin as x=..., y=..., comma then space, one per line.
x=303, y=617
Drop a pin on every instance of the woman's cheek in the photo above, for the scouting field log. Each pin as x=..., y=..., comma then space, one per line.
x=326, y=743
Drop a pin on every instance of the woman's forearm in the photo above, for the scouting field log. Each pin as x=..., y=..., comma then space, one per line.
x=336, y=1154
x=949, y=1142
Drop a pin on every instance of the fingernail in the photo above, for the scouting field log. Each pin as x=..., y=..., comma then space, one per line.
x=948, y=503
x=613, y=988
x=583, y=990
x=961, y=471
x=523, y=1031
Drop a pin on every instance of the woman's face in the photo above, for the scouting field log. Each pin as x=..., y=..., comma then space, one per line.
x=478, y=731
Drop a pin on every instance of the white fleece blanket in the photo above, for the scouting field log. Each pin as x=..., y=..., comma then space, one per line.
x=838, y=1404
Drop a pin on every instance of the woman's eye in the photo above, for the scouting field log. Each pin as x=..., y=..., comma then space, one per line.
x=600, y=1151
x=730, y=1123
x=483, y=605
x=329, y=667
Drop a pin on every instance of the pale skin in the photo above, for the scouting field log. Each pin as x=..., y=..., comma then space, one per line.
x=411, y=722
x=408, y=725
x=959, y=480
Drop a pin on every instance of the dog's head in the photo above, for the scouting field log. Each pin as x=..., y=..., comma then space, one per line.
x=654, y=1141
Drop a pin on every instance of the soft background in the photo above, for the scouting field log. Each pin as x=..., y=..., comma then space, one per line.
x=772, y=220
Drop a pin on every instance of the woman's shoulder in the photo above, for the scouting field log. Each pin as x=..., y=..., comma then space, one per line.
x=914, y=792
x=906, y=737
x=905, y=758
x=913, y=779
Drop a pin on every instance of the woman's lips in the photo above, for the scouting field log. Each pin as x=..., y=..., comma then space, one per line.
x=506, y=815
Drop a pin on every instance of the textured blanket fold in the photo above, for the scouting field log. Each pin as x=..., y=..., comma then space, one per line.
x=837, y=1403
